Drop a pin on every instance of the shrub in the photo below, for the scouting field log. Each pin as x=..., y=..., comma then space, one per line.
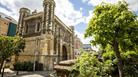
x=28, y=66
x=23, y=66
x=89, y=65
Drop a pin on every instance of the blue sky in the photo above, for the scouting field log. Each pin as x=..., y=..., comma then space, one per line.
x=72, y=12
x=85, y=12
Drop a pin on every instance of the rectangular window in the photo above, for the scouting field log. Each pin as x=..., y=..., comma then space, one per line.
x=26, y=28
x=38, y=26
x=12, y=29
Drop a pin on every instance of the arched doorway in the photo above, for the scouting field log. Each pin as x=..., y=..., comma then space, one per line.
x=64, y=53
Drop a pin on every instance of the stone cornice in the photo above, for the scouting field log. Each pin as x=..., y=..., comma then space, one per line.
x=63, y=25
x=34, y=16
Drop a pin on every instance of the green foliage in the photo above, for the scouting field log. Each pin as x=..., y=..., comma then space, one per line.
x=28, y=66
x=114, y=26
x=109, y=19
x=6, y=47
x=130, y=63
x=130, y=54
x=10, y=46
x=89, y=66
x=19, y=45
x=108, y=53
x=110, y=67
x=130, y=59
x=109, y=56
x=23, y=66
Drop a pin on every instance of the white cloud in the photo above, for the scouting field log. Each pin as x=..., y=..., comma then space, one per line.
x=66, y=12
x=96, y=2
x=64, y=9
x=133, y=4
x=89, y=17
x=15, y=5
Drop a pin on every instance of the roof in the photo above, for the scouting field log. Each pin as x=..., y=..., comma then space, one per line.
x=67, y=62
x=8, y=18
x=59, y=67
x=65, y=65
x=87, y=46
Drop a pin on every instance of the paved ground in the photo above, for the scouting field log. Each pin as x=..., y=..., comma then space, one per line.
x=34, y=75
x=10, y=73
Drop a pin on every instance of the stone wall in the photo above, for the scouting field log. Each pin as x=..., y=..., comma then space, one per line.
x=4, y=24
x=41, y=42
x=32, y=48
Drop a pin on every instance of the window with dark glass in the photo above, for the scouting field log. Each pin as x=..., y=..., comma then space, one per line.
x=26, y=29
x=31, y=28
x=38, y=26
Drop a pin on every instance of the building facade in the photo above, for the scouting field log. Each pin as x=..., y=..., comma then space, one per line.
x=87, y=48
x=7, y=25
x=77, y=46
x=46, y=35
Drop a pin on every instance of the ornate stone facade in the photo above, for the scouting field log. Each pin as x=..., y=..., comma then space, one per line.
x=46, y=35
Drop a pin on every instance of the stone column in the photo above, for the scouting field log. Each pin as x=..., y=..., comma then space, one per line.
x=49, y=61
x=23, y=29
x=24, y=12
x=71, y=52
x=49, y=8
x=58, y=51
x=47, y=52
x=68, y=52
x=61, y=51
x=43, y=51
x=48, y=23
x=56, y=58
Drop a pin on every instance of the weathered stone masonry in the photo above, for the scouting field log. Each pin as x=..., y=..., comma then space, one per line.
x=45, y=35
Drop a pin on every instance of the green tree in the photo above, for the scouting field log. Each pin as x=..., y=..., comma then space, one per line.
x=129, y=60
x=114, y=25
x=88, y=65
x=10, y=46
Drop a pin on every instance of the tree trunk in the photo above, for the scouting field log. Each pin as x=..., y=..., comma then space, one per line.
x=16, y=60
x=2, y=75
x=119, y=59
x=2, y=62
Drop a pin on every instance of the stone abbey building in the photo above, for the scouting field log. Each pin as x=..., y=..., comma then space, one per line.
x=46, y=36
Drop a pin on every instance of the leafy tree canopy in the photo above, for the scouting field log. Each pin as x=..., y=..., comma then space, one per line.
x=10, y=46
x=109, y=19
x=114, y=25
